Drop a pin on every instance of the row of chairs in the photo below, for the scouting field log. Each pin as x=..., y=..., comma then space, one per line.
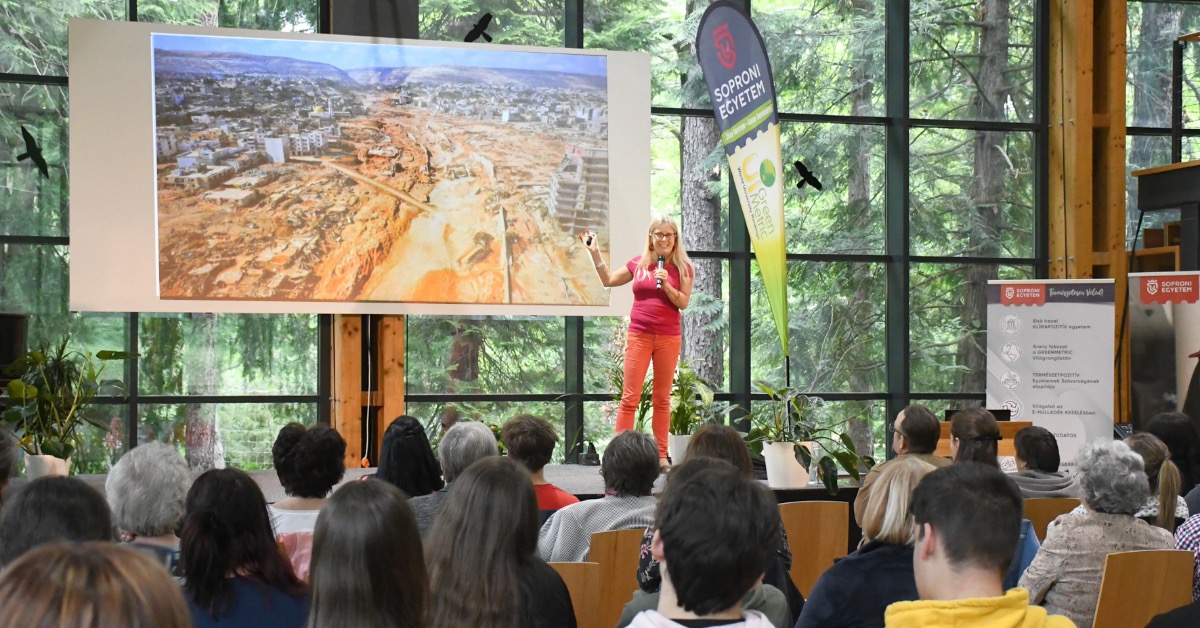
x=1135, y=587
x=818, y=532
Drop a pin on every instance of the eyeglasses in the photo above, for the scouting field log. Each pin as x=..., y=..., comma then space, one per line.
x=663, y=236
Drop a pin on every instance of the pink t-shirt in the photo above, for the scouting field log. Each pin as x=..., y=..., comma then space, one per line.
x=653, y=312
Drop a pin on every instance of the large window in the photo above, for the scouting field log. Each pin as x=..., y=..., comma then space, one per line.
x=924, y=122
x=217, y=386
x=1152, y=29
x=902, y=231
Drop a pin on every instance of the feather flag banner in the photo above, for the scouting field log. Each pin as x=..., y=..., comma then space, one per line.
x=738, y=74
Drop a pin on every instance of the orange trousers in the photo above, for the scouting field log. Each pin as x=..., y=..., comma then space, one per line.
x=640, y=350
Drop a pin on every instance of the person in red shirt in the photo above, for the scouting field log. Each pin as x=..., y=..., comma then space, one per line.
x=662, y=286
x=530, y=441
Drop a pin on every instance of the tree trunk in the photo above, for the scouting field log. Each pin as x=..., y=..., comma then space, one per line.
x=858, y=201
x=464, y=354
x=987, y=194
x=204, y=450
x=703, y=347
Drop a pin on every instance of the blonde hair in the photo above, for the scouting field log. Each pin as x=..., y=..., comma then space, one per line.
x=887, y=518
x=1163, y=475
x=101, y=585
x=678, y=258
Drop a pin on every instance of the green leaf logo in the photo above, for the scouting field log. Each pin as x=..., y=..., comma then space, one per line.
x=766, y=172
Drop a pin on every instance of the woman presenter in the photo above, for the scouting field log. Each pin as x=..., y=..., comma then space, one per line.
x=662, y=286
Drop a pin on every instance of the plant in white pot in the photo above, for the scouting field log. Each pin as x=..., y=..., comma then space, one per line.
x=786, y=430
x=691, y=407
x=49, y=399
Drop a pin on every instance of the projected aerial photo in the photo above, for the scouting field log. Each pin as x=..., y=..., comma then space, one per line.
x=297, y=170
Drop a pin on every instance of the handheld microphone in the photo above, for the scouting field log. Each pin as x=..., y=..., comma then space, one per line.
x=658, y=284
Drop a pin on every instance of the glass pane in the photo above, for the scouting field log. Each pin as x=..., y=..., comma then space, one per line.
x=268, y=15
x=32, y=204
x=98, y=449
x=663, y=28
x=228, y=354
x=33, y=33
x=211, y=436
x=33, y=279
x=972, y=61
x=1152, y=27
x=485, y=355
x=1144, y=152
x=518, y=22
x=948, y=324
x=847, y=215
x=826, y=57
x=493, y=413
x=972, y=193
x=836, y=312
x=688, y=180
x=603, y=352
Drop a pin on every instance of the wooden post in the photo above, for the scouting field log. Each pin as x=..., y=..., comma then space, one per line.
x=391, y=374
x=347, y=415
x=1087, y=154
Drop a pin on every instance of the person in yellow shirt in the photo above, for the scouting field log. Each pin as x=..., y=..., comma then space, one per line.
x=969, y=520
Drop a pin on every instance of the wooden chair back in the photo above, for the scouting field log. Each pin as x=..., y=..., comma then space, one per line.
x=583, y=582
x=616, y=552
x=1040, y=511
x=818, y=533
x=1139, y=585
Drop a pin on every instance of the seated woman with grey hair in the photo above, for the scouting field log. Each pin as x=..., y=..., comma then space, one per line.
x=146, y=491
x=464, y=443
x=629, y=468
x=1065, y=575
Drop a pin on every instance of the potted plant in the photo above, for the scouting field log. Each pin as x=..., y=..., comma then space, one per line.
x=49, y=398
x=691, y=407
x=786, y=430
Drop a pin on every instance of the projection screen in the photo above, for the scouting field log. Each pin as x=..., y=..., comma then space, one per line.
x=219, y=170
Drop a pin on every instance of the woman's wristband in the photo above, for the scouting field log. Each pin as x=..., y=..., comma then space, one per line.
x=600, y=265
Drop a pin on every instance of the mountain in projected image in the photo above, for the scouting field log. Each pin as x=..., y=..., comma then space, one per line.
x=324, y=171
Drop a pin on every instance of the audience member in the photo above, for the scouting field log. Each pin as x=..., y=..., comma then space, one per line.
x=1178, y=432
x=715, y=534
x=1037, y=466
x=8, y=460
x=463, y=444
x=725, y=443
x=915, y=433
x=1065, y=575
x=1163, y=506
x=1187, y=537
x=406, y=460
x=1187, y=616
x=309, y=461
x=968, y=519
x=368, y=570
x=94, y=585
x=857, y=590
x=234, y=573
x=974, y=435
x=766, y=598
x=146, y=491
x=629, y=468
x=52, y=509
x=483, y=568
x=530, y=441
